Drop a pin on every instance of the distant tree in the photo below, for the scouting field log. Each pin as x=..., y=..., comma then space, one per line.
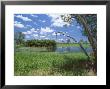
x=19, y=38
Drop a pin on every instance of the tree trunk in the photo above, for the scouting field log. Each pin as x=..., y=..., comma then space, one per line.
x=84, y=50
x=90, y=38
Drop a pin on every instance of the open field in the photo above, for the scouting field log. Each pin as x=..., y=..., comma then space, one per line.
x=63, y=44
x=37, y=61
x=50, y=63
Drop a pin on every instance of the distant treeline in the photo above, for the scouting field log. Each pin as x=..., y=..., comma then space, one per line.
x=50, y=45
x=40, y=43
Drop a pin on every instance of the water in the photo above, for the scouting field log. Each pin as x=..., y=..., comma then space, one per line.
x=58, y=49
x=72, y=49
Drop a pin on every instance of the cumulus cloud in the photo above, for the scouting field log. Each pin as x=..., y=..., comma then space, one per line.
x=42, y=36
x=32, y=30
x=18, y=24
x=27, y=33
x=57, y=20
x=23, y=18
x=46, y=30
x=39, y=33
x=35, y=35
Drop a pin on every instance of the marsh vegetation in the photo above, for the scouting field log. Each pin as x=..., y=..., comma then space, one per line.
x=62, y=61
x=46, y=49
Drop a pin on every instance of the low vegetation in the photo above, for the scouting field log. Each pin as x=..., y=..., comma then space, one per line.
x=38, y=58
x=51, y=63
x=49, y=45
x=36, y=63
x=72, y=44
x=40, y=43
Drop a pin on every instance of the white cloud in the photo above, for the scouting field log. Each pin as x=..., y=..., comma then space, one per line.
x=42, y=36
x=32, y=30
x=53, y=34
x=18, y=24
x=57, y=20
x=60, y=39
x=78, y=27
x=46, y=30
x=27, y=33
x=15, y=22
x=35, y=35
x=43, y=21
x=47, y=38
x=34, y=15
x=23, y=18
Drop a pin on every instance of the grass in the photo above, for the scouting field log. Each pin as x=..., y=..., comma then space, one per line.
x=71, y=44
x=34, y=61
x=50, y=63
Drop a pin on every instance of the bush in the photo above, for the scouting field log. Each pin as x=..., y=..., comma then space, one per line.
x=49, y=44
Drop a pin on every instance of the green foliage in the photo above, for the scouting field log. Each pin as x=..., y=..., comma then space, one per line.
x=19, y=38
x=89, y=23
x=49, y=44
x=50, y=63
x=91, y=20
x=40, y=43
x=85, y=45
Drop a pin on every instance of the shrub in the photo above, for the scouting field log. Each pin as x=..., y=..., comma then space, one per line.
x=49, y=44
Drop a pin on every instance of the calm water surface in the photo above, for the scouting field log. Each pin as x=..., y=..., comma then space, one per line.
x=72, y=49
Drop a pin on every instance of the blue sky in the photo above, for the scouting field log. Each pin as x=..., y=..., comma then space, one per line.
x=44, y=26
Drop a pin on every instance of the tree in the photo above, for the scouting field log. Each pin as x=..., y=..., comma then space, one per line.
x=19, y=38
x=89, y=29
x=89, y=23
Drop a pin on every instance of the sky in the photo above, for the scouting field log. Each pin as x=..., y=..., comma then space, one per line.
x=44, y=26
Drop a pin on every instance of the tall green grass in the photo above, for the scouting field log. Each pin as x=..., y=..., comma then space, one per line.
x=50, y=63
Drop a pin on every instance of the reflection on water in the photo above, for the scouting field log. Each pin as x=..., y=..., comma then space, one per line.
x=72, y=49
